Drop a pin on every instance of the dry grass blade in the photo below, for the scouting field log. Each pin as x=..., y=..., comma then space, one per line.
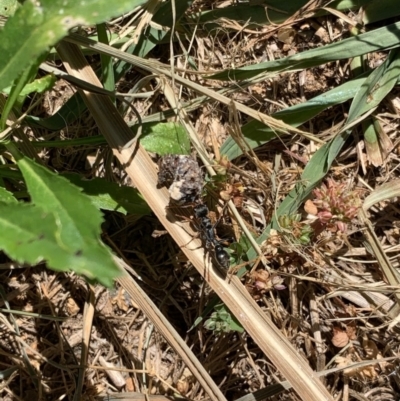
x=169, y=333
x=160, y=69
x=141, y=170
x=285, y=385
x=181, y=113
x=87, y=328
x=128, y=396
x=386, y=191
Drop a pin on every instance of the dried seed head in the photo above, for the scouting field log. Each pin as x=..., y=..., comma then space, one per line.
x=183, y=177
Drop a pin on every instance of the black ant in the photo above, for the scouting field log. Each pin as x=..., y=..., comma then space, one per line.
x=184, y=179
x=206, y=228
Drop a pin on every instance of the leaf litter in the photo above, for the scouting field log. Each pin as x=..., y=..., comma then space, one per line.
x=324, y=290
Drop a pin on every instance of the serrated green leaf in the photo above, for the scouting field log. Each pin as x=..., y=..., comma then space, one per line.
x=164, y=138
x=222, y=320
x=8, y=7
x=39, y=85
x=108, y=195
x=32, y=238
x=6, y=197
x=44, y=25
x=27, y=226
x=77, y=220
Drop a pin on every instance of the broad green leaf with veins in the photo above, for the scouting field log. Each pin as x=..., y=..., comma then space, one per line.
x=46, y=24
x=60, y=226
x=8, y=7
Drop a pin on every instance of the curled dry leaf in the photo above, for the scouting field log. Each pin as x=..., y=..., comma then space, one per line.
x=343, y=362
x=370, y=349
x=185, y=382
x=224, y=162
x=340, y=338
x=182, y=386
x=351, y=331
x=272, y=244
x=234, y=192
x=71, y=307
x=310, y=208
x=129, y=385
x=260, y=281
x=361, y=373
x=120, y=300
x=261, y=275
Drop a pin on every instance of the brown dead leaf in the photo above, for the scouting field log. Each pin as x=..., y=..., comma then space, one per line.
x=120, y=300
x=361, y=373
x=351, y=331
x=71, y=307
x=286, y=35
x=310, y=208
x=183, y=386
x=370, y=349
x=343, y=362
x=234, y=193
x=369, y=373
x=129, y=385
x=340, y=338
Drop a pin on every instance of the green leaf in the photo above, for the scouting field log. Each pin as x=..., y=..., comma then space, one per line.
x=108, y=195
x=6, y=197
x=378, y=39
x=164, y=138
x=8, y=7
x=32, y=238
x=77, y=230
x=257, y=133
x=151, y=37
x=39, y=85
x=262, y=13
x=108, y=78
x=378, y=10
x=371, y=141
x=19, y=83
x=253, y=15
x=222, y=321
x=379, y=83
x=44, y=23
x=75, y=106
x=313, y=173
x=67, y=114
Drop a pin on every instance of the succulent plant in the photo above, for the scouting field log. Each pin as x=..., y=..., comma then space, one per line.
x=299, y=232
